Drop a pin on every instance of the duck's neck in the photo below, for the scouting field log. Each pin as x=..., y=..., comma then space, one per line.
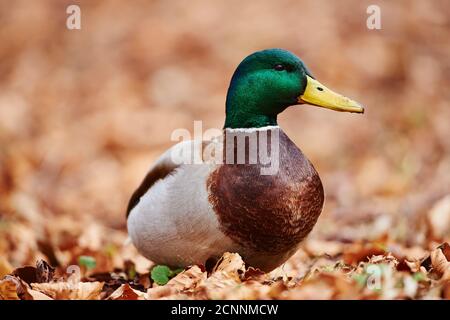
x=244, y=120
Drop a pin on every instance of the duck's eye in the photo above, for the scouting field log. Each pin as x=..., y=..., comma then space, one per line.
x=279, y=67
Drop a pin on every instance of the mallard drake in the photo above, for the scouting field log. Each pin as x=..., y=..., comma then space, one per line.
x=186, y=213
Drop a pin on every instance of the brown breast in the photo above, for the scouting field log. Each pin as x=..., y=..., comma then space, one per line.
x=267, y=213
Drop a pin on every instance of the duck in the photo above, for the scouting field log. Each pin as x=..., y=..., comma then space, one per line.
x=250, y=190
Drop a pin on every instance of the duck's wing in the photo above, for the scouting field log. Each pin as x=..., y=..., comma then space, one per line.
x=164, y=166
x=160, y=170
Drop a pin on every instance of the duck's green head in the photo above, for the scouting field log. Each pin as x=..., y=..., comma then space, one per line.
x=267, y=82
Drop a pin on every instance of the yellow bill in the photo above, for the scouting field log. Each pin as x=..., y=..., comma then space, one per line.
x=317, y=94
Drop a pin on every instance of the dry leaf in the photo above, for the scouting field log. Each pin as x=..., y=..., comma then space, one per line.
x=439, y=218
x=160, y=292
x=226, y=276
x=44, y=271
x=440, y=264
x=414, y=266
x=230, y=262
x=446, y=290
x=251, y=290
x=125, y=292
x=8, y=289
x=320, y=287
x=219, y=284
x=21, y=287
x=26, y=273
x=445, y=247
x=70, y=290
x=253, y=274
x=36, y=295
x=187, y=279
x=317, y=248
x=5, y=267
x=360, y=253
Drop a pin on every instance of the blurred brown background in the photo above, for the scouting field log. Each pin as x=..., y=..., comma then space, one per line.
x=83, y=113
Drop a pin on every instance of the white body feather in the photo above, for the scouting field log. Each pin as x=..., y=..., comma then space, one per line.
x=174, y=223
